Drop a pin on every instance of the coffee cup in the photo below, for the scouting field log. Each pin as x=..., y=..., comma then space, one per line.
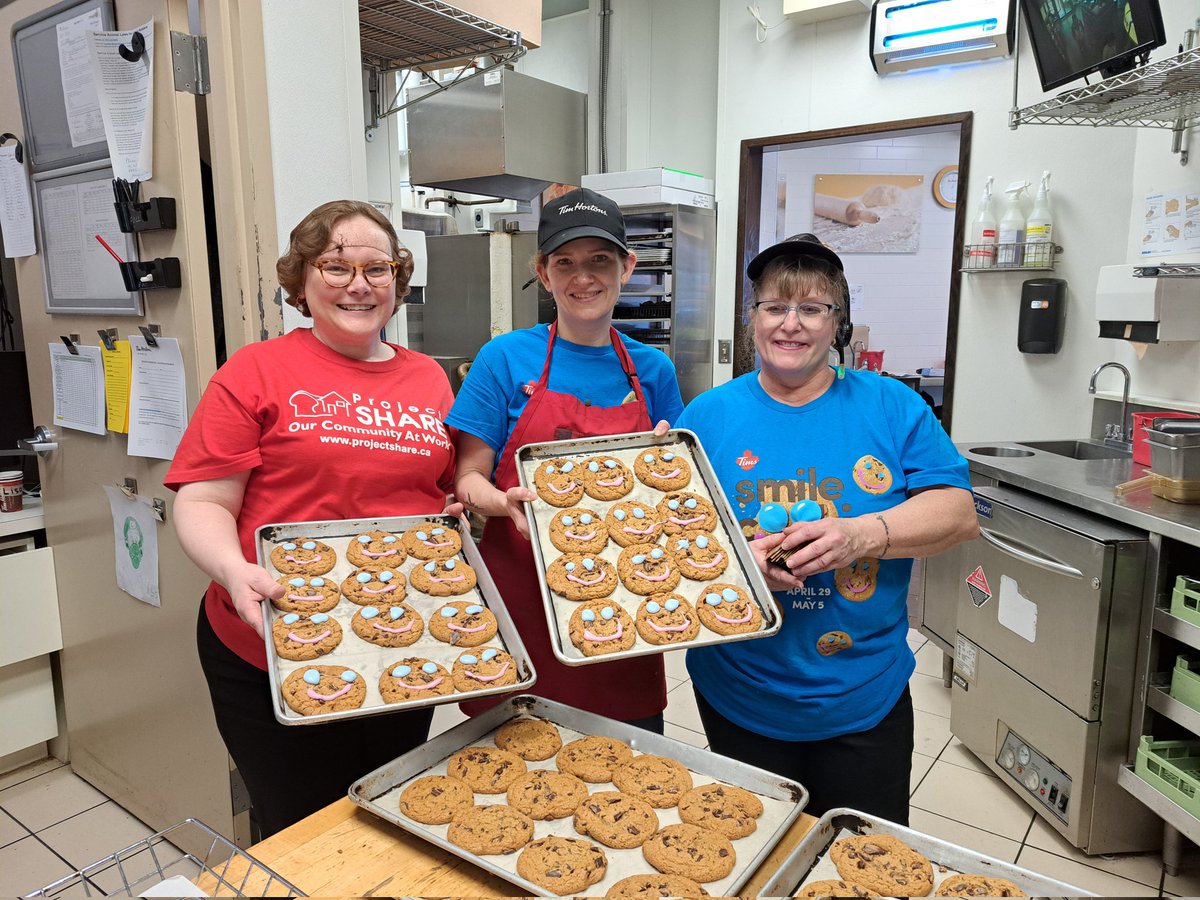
x=11, y=498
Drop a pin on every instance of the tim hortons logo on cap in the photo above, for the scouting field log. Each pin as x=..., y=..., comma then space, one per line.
x=747, y=460
x=583, y=207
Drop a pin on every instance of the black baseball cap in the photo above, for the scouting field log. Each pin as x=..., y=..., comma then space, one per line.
x=579, y=214
x=796, y=246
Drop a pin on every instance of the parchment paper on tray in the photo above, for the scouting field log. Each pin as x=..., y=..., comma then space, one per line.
x=783, y=800
x=810, y=861
x=368, y=660
x=609, y=459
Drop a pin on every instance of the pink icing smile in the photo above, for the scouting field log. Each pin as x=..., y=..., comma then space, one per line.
x=454, y=627
x=302, y=562
x=408, y=627
x=487, y=677
x=581, y=537
x=588, y=636
x=316, y=599
x=382, y=590
x=638, y=530
x=687, y=622
x=423, y=687
x=455, y=578
x=377, y=555
x=292, y=636
x=670, y=474
x=687, y=521
x=313, y=695
x=436, y=543
x=742, y=620
x=570, y=487
x=646, y=575
x=716, y=560
x=849, y=585
x=614, y=482
x=575, y=578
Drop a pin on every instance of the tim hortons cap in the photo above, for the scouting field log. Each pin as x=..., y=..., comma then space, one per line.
x=579, y=214
x=796, y=246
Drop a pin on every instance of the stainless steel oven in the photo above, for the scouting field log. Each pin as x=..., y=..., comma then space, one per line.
x=1048, y=607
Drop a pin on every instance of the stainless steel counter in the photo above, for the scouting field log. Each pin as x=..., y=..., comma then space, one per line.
x=1088, y=484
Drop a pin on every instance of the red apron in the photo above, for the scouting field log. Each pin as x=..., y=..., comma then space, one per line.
x=625, y=689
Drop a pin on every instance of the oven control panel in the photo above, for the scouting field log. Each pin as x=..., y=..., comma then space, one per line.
x=1045, y=782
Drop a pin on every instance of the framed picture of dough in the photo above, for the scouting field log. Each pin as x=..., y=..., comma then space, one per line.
x=868, y=213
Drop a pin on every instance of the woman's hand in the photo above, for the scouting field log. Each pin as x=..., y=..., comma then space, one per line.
x=514, y=507
x=454, y=508
x=249, y=585
x=778, y=578
x=826, y=544
x=662, y=427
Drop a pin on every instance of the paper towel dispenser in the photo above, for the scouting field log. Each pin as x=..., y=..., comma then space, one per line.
x=1147, y=310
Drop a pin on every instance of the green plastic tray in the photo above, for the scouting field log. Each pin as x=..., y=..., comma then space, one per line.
x=1171, y=768
x=1185, y=682
x=1185, y=599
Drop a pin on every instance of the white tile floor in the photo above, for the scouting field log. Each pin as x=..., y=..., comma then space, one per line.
x=52, y=822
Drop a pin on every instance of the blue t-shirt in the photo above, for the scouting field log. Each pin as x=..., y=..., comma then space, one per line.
x=841, y=660
x=493, y=396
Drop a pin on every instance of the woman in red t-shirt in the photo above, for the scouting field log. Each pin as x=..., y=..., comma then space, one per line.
x=327, y=422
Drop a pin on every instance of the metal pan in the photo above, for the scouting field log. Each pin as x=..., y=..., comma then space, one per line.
x=783, y=800
x=742, y=570
x=367, y=659
x=808, y=862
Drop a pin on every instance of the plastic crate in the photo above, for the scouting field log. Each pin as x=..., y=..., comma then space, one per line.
x=1185, y=599
x=1185, y=682
x=1171, y=768
x=1142, y=421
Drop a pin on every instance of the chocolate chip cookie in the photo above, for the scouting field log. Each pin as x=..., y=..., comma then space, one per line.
x=658, y=780
x=834, y=888
x=730, y=810
x=486, y=667
x=376, y=548
x=728, y=609
x=490, y=830
x=544, y=794
x=434, y=799
x=690, y=851
x=647, y=569
x=374, y=586
x=303, y=556
x=698, y=555
x=300, y=637
x=633, y=522
x=593, y=758
x=666, y=619
x=884, y=864
x=443, y=577
x=487, y=770
x=652, y=887
x=463, y=623
x=561, y=864
x=431, y=540
x=302, y=594
x=578, y=530
x=414, y=678
x=662, y=468
x=682, y=511
x=311, y=690
x=601, y=627
x=534, y=739
x=559, y=482
x=617, y=820
x=606, y=478
x=977, y=886
x=581, y=576
x=388, y=626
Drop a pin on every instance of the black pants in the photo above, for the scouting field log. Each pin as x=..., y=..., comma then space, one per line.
x=292, y=771
x=868, y=771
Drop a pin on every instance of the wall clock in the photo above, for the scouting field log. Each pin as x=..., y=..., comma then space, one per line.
x=945, y=186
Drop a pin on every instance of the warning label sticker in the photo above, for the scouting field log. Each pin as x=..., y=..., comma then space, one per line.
x=977, y=584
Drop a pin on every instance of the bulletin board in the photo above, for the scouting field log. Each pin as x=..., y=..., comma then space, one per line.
x=54, y=82
x=72, y=206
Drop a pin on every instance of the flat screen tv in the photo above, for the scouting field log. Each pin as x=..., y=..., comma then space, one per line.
x=1074, y=38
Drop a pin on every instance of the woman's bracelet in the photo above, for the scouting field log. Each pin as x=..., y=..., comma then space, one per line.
x=887, y=535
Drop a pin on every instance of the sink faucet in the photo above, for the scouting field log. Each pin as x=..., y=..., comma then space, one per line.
x=1120, y=434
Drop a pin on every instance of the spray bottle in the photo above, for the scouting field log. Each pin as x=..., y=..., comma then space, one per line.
x=1039, y=230
x=982, y=253
x=1012, y=227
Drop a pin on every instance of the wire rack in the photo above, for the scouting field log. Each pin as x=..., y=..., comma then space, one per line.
x=406, y=34
x=1167, y=270
x=1009, y=257
x=221, y=869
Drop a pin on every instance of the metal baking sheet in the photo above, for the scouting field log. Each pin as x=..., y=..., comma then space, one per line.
x=367, y=659
x=742, y=570
x=783, y=800
x=809, y=861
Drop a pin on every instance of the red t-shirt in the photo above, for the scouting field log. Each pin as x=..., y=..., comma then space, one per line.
x=324, y=437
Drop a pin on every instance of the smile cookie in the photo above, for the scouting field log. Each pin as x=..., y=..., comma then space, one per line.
x=832, y=642
x=486, y=668
x=303, y=556
x=618, y=820
x=301, y=637
x=698, y=555
x=545, y=794
x=666, y=619
x=414, y=678
x=597, y=628
x=690, y=851
x=306, y=595
x=443, y=577
x=486, y=770
x=430, y=540
x=376, y=548
x=578, y=530
x=727, y=609
x=647, y=569
x=462, y=623
x=579, y=576
x=658, y=780
x=593, y=758
x=388, y=626
x=633, y=522
x=561, y=864
x=370, y=586
x=559, y=482
x=320, y=689
x=606, y=478
x=529, y=738
x=682, y=511
x=662, y=469
x=857, y=581
x=434, y=799
x=872, y=475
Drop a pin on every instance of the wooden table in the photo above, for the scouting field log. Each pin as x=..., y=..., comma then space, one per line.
x=345, y=851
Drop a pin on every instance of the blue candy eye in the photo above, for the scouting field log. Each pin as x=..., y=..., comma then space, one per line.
x=297, y=582
x=588, y=616
x=585, y=519
x=702, y=542
x=610, y=464
x=291, y=619
x=364, y=539
x=349, y=677
x=712, y=599
x=468, y=659
x=607, y=613
x=401, y=671
x=656, y=553
x=672, y=605
x=570, y=567
x=647, y=458
x=439, y=531
x=619, y=515
x=672, y=504
x=568, y=521
x=312, y=676
x=319, y=618
x=390, y=539
x=474, y=609
x=653, y=607
x=385, y=576
x=422, y=536
x=369, y=612
x=363, y=577
x=317, y=582
x=396, y=612
x=489, y=654
x=289, y=546
x=667, y=457
x=639, y=513
x=639, y=559
x=309, y=545
x=589, y=564
x=450, y=564
x=429, y=668
x=449, y=612
x=430, y=567
x=730, y=595
x=682, y=544
x=690, y=503
x=567, y=467
x=593, y=466
x=549, y=470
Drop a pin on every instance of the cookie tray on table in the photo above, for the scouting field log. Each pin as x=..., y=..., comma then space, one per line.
x=783, y=800
x=369, y=660
x=810, y=862
x=740, y=572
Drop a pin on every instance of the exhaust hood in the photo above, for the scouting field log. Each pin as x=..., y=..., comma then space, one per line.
x=504, y=134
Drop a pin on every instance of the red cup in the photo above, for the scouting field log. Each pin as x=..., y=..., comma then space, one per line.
x=872, y=360
x=11, y=498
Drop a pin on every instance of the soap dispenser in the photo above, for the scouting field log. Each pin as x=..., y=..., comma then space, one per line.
x=1012, y=227
x=982, y=252
x=1039, y=229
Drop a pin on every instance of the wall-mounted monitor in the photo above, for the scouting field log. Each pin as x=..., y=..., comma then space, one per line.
x=1075, y=38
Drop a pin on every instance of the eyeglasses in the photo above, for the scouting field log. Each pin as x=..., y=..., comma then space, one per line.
x=339, y=272
x=774, y=311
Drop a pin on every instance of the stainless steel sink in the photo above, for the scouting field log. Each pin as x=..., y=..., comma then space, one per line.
x=1078, y=449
